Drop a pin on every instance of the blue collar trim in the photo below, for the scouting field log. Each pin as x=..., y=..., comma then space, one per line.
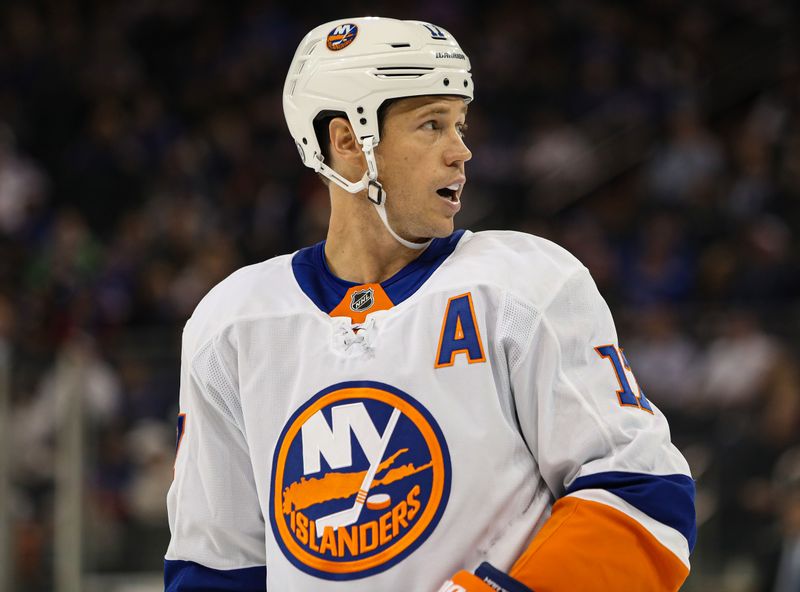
x=326, y=290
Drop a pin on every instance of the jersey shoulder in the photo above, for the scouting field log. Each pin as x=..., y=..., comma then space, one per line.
x=260, y=289
x=530, y=266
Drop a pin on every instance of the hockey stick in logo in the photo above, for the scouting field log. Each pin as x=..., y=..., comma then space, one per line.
x=350, y=515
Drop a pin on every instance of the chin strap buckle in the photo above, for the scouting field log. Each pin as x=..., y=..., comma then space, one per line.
x=375, y=193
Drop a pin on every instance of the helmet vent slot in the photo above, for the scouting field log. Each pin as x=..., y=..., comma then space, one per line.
x=399, y=45
x=400, y=75
x=402, y=71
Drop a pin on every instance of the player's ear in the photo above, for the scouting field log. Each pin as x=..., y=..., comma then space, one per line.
x=344, y=145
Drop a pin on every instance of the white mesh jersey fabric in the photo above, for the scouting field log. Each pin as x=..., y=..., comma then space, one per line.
x=214, y=513
x=518, y=419
x=216, y=382
x=517, y=323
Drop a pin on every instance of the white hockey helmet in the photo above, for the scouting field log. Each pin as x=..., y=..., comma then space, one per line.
x=352, y=66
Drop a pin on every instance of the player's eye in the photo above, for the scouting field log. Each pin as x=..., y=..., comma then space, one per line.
x=462, y=130
x=431, y=124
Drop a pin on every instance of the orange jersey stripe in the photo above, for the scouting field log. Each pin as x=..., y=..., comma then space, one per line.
x=587, y=546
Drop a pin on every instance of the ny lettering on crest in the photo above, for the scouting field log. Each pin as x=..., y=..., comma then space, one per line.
x=342, y=30
x=333, y=442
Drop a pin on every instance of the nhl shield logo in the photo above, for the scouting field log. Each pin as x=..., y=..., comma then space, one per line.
x=362, y=300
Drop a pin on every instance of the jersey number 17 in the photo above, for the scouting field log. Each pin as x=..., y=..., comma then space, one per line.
x=626, y=395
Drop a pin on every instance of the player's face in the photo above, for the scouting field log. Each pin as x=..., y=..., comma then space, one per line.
x=421, y=158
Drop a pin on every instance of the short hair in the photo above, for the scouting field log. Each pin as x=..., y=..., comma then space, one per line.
x=323, y=120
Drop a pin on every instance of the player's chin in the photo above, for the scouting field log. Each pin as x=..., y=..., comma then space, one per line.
x=440, y=229
x=435, y=225
x=443, y=227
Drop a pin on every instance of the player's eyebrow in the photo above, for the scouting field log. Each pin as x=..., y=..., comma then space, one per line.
x=438, y=109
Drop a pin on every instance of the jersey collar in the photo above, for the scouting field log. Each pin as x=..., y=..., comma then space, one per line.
x=334, y=295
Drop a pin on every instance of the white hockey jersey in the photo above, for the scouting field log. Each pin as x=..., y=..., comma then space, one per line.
x=383, y=437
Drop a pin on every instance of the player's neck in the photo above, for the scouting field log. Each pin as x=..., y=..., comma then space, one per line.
x=359, y=248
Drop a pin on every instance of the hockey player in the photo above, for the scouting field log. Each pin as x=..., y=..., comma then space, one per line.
x=404, y=407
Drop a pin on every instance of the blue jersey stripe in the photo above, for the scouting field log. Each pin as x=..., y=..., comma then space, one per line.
x=326, y=290
x=666, y=498
x=188, y=576
x=496, y=578
x=408, y=280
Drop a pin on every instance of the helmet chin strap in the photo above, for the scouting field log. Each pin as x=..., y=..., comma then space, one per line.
x=375, y=192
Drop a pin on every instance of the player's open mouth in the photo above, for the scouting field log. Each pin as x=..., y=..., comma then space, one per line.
x=451, y=192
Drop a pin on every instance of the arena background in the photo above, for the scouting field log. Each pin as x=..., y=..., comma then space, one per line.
x=144, y=157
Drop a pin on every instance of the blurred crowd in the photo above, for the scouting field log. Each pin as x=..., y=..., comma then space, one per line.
x=144, y=157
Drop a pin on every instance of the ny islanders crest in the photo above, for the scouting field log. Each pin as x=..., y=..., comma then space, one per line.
x=360, y=478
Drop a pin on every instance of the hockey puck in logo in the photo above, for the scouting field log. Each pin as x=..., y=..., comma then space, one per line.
x=378, y=501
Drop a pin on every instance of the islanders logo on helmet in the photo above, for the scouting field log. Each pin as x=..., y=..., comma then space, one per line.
x=341, y=36
x=360, y=478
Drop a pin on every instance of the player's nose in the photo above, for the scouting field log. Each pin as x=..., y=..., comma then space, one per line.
x=456, y=151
